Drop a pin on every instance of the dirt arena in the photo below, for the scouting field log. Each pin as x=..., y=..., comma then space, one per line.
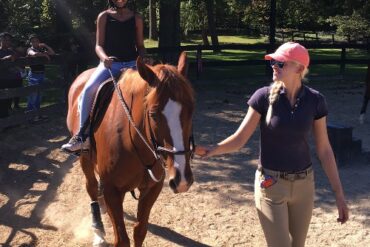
x=43, y=201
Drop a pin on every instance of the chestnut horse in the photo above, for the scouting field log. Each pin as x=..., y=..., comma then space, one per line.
x=146, y=128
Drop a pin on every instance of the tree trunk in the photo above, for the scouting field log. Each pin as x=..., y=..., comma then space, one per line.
x=272, y=32
x=153, y=32
x=169, y=29
x=212, y=24
x=63, y=18
x=272, y=23
x=204, y=36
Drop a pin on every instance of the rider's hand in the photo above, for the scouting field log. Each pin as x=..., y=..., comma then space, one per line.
x=148, y=60
x=108, y=62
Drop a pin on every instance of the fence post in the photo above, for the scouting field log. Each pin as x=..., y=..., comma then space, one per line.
x=292, y=35
x=199, y=61
x=342, y=61
x=332, y=38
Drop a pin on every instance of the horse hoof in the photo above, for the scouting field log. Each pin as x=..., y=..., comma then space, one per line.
x=100, y=243
x=99, y=240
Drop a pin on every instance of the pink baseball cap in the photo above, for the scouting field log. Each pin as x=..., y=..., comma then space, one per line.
x=290, y=51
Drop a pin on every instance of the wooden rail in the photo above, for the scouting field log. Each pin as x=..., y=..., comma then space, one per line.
x=200, y=62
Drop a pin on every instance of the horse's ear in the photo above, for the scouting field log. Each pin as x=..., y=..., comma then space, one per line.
x=183, y=65
x=145, y=72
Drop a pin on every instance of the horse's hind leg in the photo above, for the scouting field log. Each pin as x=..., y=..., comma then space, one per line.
x=93, y=190
x=143, y=211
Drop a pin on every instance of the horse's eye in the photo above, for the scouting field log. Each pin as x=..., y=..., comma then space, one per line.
x=153, y=115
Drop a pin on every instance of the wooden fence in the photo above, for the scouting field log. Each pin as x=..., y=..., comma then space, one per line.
x=64, y=78
x=61, y=83
x=201, y=63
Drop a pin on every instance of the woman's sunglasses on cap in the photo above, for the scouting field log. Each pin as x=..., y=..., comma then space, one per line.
x=278, y=63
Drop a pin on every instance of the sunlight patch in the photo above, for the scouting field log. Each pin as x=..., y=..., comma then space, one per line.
x=18, y=167
x=46, y=172
x=5, y=232
x=39, y=186
x=25, y=206
x=34, y=151
x=3, y=200
x=58, y=139
x=57, y=155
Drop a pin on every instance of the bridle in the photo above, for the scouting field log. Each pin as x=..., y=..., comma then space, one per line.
x=157, y=150
x=160, y=149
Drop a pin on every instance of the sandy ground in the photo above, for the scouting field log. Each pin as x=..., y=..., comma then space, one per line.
x=43, y=200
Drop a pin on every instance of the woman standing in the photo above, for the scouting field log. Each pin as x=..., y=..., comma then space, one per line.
x=119, y=41
x=286, y=111
x=36, y=75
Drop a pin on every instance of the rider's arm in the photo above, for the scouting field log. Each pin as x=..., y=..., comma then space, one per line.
x=140, y=35
x=100, y=36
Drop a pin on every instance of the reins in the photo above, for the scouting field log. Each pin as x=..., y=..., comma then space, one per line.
x=129, y=117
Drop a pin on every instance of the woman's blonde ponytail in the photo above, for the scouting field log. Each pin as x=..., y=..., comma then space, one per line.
x=274, y=95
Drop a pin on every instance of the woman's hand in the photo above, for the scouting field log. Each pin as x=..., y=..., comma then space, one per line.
x=203, y=151
x=343, y=212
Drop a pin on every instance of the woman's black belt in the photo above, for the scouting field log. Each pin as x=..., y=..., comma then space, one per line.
x=291, y=176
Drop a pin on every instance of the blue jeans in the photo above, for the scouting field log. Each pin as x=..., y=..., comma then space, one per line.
x=34, y=99
x=100, y=75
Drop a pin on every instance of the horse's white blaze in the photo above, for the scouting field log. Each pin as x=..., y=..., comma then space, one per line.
x=172, y=112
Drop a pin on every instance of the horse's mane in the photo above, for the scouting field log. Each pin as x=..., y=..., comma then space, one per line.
x=171, y=84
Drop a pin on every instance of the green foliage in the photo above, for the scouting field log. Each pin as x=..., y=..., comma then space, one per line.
x=257, y=15
x=23, y=16
x=47, y=14
x=193, y=15
x=354, y=26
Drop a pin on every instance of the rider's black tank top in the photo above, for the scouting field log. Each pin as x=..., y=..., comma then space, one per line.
x=120, y=39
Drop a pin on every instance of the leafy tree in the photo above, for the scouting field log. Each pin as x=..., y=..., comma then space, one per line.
x=257, y=16
x=354, y=26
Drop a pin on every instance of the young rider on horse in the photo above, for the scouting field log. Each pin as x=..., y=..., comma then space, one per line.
x=119, y=41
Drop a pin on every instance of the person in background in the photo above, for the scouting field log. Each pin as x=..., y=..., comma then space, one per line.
x=119, y=41
x=36, y=74
x=21, y=51
x=286, y=112
x=9, y=75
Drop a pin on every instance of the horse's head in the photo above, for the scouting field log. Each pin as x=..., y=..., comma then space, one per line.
x=170, y=106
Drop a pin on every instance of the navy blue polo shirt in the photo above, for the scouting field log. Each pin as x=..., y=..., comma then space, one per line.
x=284, y=143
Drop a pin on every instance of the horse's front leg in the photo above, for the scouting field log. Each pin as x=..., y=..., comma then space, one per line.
x=92, y=189
x=113, y=200
x=143, y=211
